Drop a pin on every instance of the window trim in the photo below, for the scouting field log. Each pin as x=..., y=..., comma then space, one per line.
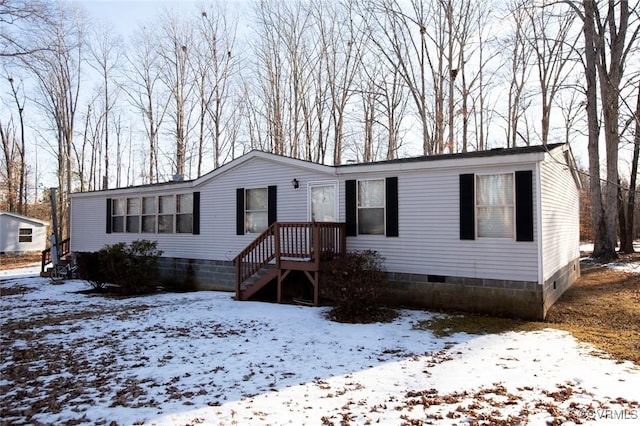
x=25, y=235
x=512, y=206
x=383, y=206
x=247, y=211
x=190, y=209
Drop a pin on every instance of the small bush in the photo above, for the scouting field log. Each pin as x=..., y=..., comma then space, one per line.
x=89, y=270
x=133, y=267
x=352, y=283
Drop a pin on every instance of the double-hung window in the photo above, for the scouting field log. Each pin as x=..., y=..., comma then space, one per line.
x=184, y=213
x=149, y=214
x=118, y=210
x=256, y=210
x=25, y=235
x=133, y=215
x=371, y=204
x=163, y=214
x=166, y=209
x=495, y=205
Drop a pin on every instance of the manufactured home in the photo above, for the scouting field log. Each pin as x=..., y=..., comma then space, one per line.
x=491, y=231
x=21, y=234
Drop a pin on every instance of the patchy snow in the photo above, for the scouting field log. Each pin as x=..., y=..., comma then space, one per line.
x=203, y=358
x=622, y=266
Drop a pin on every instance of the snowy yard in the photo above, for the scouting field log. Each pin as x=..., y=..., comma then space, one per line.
x=202, y=358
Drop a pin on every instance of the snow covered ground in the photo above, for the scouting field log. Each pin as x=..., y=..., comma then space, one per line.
x=202, y=358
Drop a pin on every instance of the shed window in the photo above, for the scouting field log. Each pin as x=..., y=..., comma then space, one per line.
x=495, y=205
x=256, y=210
x=25, y=235
x=371, y=207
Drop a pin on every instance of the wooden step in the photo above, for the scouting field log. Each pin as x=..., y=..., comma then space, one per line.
x=262, y=278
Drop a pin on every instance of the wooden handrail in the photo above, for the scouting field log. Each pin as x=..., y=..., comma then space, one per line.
x=305, y=241
x=64, y=245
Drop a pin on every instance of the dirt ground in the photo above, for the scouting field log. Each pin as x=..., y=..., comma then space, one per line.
x=14, y=262
x=601, y=308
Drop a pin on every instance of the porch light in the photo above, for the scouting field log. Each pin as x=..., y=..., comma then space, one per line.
x=295, y=183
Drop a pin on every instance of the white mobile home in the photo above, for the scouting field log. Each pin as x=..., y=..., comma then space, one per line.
x=21, y=234
x=493, y=231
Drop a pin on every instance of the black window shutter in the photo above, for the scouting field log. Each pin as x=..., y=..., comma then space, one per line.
x=108, y=215
x=196, y=213
x=272, y=215
x=524, y=205
x=240, y=211
x=391, y=208
x=467, y=207
x=351, y=210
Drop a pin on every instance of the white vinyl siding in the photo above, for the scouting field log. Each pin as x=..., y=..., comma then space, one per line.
x=217, y=239
x=21, y=234
x=429, y=229
x=560, y=211
x=428, y=210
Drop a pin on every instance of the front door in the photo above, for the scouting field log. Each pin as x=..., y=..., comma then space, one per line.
x=323, y=206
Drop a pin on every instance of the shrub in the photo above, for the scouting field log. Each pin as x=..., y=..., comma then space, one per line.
x=352, y=283
x=89, y=270
x=133, y=267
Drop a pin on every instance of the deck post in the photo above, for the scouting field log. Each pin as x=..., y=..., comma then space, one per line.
x=238, y=269
x=276, y=242
x=317, y=245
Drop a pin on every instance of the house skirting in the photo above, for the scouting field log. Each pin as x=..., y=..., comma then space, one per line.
x=521, y=299
x=197, y=274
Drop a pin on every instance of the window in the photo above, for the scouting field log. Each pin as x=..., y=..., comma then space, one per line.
x=166, y=209
x=256, y=210
x=149, y=214
x=25, y=235
x=164, y=214
x=117, y=215
x=133, y=215
x=495, y=205
x=184, y=216
x=371, y=206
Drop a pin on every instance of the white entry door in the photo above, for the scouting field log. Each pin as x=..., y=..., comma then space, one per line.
x=323, y=202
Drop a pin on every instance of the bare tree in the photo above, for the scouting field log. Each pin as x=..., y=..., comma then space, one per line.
x=17, y=18
x=400, y=36
x=553, y=40
x=176, y=40
x=22, y=193
x=9, y=163
x=58, y=74
x=145, y=93
x=214, y=61
x=106, y=53
x=610, y=32
x=341, y=40
x=519, y=71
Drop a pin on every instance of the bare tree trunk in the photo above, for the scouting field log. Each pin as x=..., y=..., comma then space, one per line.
x=22, y=166
x=631, y=198
x=7, y=137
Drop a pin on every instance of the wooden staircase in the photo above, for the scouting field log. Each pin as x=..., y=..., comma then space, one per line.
x=286, y=247
x=64, y=247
